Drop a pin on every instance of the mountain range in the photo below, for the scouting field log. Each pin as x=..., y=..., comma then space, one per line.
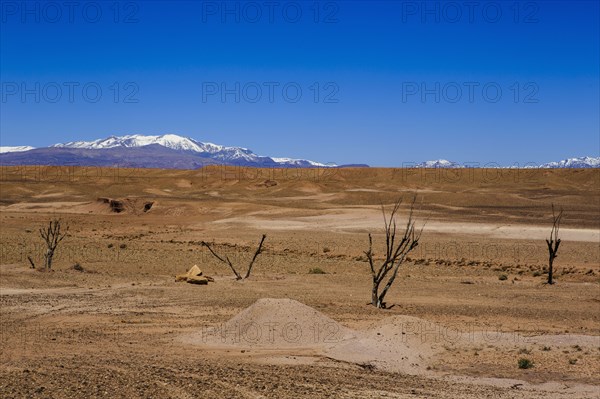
x=167, y=151
x=581, y=162
x=171, y=151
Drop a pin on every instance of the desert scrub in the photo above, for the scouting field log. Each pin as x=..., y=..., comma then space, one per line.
x=77, y=266
x=317, y=270
x=503, y=277
x=525, y=363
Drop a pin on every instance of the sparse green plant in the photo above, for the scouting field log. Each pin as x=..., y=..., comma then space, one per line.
x=572, y=361
x=77, y=266
x=110, y=245
x=525, y=363
x=546, y=349
x=537, y=273
x=317, y=270
x=503, y=277
x=326, y=249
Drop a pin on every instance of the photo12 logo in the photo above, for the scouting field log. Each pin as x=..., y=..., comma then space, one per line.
x=471, y=12
x=70, y=12
x=69, y=92
x=467, y=172
x=269, y=333
x=469, y=92
x=266, y=174
x=251, y=12
x=270, y=92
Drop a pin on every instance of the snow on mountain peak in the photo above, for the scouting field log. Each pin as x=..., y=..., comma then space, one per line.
x=135, y=140
x=301, y=162
x=439, y=163
x=21, y=148
x=244, y=156
x=581, y=162
x=175, y=142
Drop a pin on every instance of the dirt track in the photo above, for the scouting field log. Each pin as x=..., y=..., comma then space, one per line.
x=118, y=328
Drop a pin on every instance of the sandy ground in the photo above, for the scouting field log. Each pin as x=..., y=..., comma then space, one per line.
x=469, y=303
x=356, y=220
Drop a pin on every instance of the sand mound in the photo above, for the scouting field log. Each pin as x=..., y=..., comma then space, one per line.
x=397, y=343
x=273, y=324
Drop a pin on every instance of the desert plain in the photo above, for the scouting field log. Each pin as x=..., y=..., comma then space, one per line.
x=469, y=303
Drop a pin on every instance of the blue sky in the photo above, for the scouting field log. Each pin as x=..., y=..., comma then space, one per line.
x=382, y=83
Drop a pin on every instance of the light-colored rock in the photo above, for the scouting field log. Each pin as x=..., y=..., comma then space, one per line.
x=193, y=272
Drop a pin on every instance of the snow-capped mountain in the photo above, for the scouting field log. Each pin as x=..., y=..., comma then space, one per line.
x=171, y=151
x=194, y=152
x=5, y=149
x=439, y=163
x=299, y=162
x=582, y=162
x=172, y=141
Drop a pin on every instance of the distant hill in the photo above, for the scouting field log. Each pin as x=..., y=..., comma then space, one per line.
x=171, y=151
x=167, y=151
x=582, y=162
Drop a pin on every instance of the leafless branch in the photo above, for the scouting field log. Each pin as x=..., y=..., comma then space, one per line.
x=52, y=235
x=228, y=262
x=395, y=253
x=258, y=251
x=553, y=242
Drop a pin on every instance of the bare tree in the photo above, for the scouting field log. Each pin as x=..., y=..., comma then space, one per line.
x=52, y=236
x=395, y=254
x=226, y=260
x=553, y=242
